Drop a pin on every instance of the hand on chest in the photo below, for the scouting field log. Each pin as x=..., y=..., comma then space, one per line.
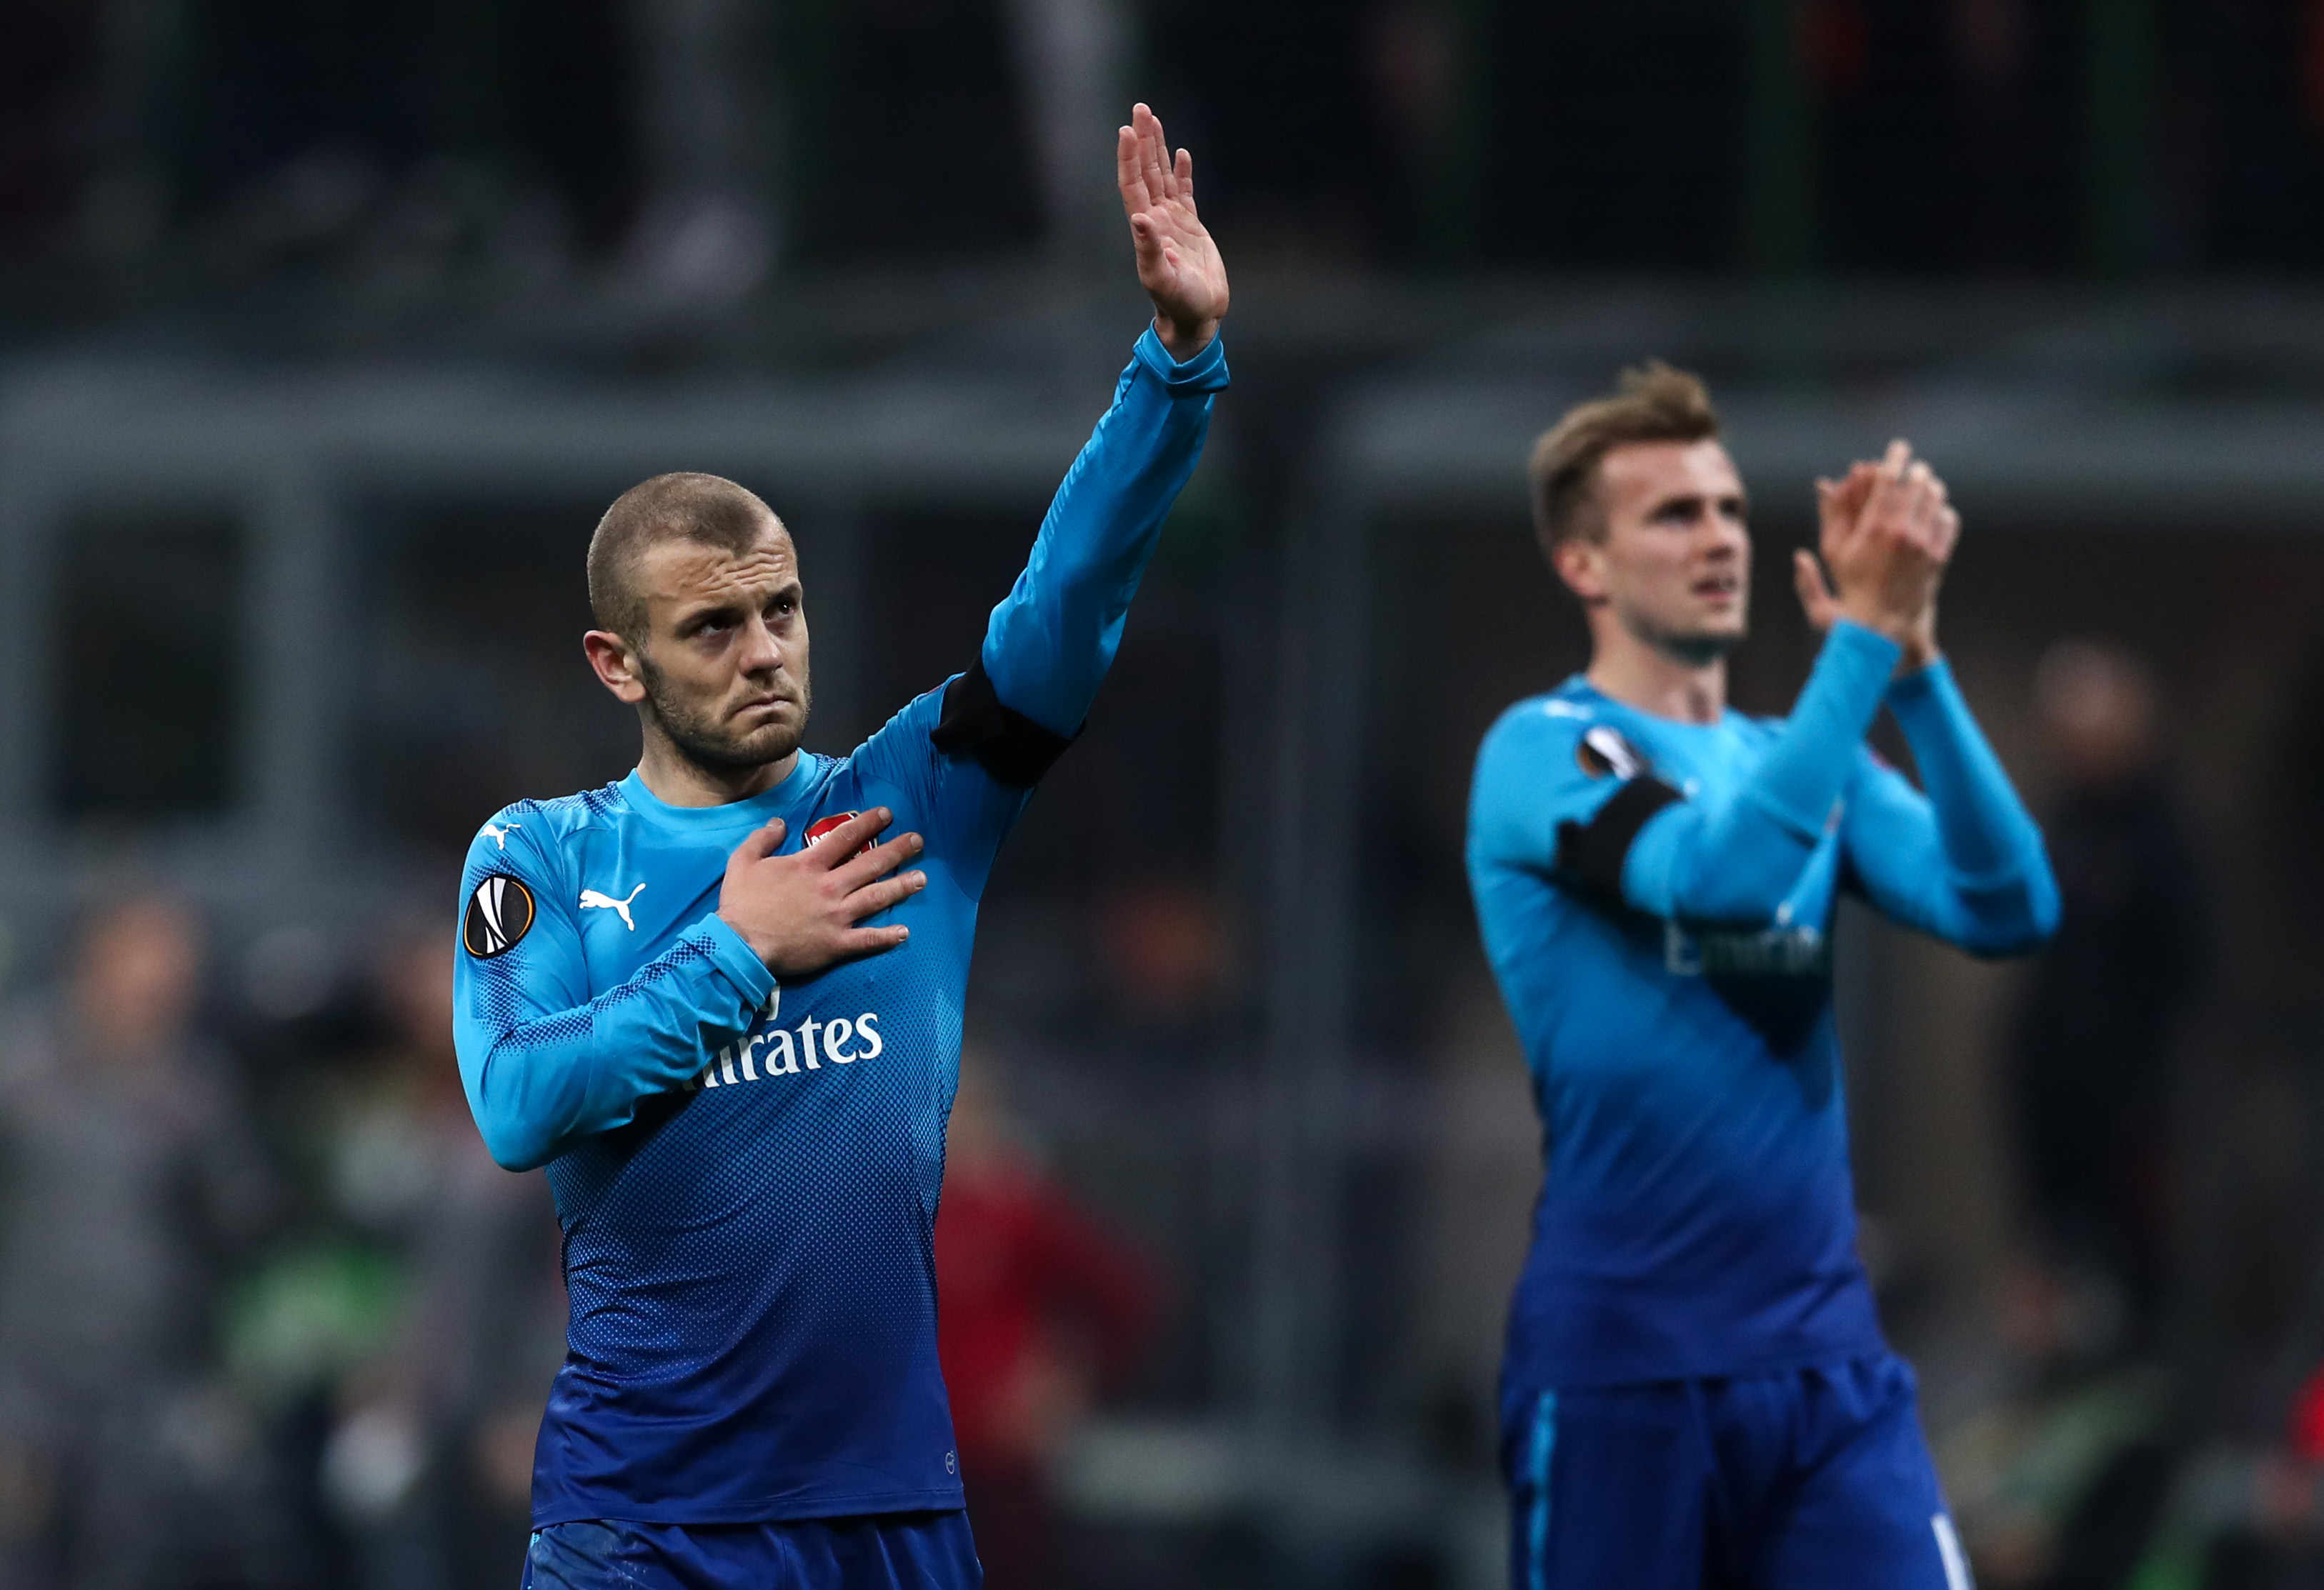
x=635, y=897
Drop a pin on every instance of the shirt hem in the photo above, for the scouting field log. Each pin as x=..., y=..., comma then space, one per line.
x=1649, y=1372
x=854, y=1505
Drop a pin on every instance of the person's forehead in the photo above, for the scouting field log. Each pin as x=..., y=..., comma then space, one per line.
x=1663, y=469
x=683, y=571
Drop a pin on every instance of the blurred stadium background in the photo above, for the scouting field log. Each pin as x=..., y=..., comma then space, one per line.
x=328, y=330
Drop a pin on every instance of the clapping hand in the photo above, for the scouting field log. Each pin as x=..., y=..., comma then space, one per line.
x=1887, y=534
x=1178, y=265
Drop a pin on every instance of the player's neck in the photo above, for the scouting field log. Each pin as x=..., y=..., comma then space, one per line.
x=1637, y=675
x=675, y=780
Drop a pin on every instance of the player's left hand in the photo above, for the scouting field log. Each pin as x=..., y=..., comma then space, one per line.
x=1901, y=496
x=1178, y=265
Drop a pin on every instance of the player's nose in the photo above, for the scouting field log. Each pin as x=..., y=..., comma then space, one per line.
x=762, y=649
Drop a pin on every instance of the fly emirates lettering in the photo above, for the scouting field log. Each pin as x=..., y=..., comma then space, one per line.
x=780, y=1051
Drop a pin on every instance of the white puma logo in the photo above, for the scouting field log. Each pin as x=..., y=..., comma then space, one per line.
x=592, y=900
x=499, y=835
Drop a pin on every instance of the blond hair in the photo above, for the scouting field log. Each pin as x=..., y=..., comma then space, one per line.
x=1652, y=402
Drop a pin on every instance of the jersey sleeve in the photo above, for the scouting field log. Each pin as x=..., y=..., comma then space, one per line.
x=543, y=1061
x=1537, y=777
x=963, y=808
x=997, y=728
x=1052, y=639
x=1729, y=855
x=1965, y=861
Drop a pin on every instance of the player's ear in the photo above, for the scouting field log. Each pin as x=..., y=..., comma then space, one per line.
x=615, y=665
x=1580, y=563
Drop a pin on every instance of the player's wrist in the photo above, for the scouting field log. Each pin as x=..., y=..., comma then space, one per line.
x=764, y=946
x=1889, y=626
x=1184, y=339
x=1922, y=653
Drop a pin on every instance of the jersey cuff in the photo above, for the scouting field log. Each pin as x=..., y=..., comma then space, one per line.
x=1835, y=709
x=1924, y=689
x=978, y=724
x=1863, y=647
x=732, y=955
x=1206, y=371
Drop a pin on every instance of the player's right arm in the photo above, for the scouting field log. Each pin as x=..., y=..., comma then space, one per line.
x=545, y=1061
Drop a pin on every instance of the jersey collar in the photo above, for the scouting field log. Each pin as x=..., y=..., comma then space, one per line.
x=1577, y=688
x=735, y=816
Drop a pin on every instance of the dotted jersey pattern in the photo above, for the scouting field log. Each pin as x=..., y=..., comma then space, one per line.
x=748, y=1176
x=1698, y=1216
x=750, y=1261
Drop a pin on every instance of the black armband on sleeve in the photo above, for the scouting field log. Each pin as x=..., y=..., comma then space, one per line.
x=1004, y=741
x=1591, y=853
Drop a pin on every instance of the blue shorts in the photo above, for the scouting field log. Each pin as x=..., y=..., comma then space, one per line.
x=886, y=1551
x=1808, y=1479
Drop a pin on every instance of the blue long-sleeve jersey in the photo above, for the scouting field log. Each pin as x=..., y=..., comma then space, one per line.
x=747, y=1175
x=1656, y=900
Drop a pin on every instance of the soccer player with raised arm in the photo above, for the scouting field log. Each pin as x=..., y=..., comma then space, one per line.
x=730, y=1026
x=1695, y=1392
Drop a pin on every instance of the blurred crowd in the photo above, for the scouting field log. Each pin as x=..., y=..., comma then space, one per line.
x=149, y=145
x=2091, y=1444
x=271, y=1317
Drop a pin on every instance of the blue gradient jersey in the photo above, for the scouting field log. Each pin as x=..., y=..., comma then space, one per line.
x=1657, y=899
x=747, y=1175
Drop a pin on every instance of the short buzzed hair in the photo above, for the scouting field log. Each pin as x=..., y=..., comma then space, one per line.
x=706, y=509
x=1651, y=403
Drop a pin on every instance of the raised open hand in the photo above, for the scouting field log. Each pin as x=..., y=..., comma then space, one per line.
x=1888, y=533
x=1178, y=265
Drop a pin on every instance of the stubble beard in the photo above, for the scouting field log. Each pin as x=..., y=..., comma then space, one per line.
x=1697, y=648
x=709, y=745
